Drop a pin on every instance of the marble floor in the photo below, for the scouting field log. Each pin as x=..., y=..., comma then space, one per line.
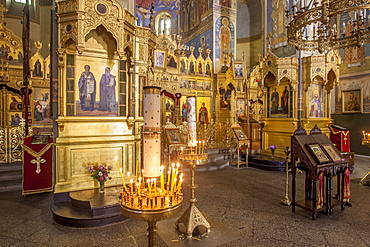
x=243, y=204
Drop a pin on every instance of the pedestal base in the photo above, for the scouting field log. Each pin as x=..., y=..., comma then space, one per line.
x=192, y=218
x=220, y=234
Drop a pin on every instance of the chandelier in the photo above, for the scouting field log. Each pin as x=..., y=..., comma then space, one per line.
x=324, y=25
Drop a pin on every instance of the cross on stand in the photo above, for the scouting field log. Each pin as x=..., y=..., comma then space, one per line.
x=38, y=161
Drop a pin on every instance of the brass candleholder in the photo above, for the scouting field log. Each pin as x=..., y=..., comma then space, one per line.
x=151, y=217
x=286, y=200
x=192, y=217
x=151, y=202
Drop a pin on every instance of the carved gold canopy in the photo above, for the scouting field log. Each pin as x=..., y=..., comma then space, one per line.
x=78, y=18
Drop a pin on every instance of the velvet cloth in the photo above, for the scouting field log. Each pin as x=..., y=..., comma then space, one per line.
x=340, y=137
x=33, y=180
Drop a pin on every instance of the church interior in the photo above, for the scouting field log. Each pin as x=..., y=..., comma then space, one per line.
x=125, y=116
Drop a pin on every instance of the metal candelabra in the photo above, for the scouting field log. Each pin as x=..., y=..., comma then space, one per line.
x=286, y=200
x=192, y=217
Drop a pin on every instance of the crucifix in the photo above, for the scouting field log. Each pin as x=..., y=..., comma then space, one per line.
x=38, y=161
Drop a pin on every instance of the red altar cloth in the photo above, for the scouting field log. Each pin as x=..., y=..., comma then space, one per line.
x=340, y=137
x=37, y=167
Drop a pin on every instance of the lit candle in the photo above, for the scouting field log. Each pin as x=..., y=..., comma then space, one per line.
x=179, y=184
x=155, y=185
x=149, y=186
x=131, y=186
x=182, y=150
x=162, y=178
x=123, y=179
x=138, y=188
x=173, y=184
x=173, y=172
x=137, y=169
x=120, y=172
x=168, y=177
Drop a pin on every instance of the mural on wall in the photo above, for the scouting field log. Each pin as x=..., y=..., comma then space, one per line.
x=276, y=21
x=225, y=41
x=226, y=3
x=97, y=87
x=143, y=9
x=41, y=98
x=204, y=41
x=353, y=56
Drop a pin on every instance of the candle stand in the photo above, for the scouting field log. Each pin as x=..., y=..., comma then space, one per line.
x=151, y=217
x=286, y=200
x=192, y=217
x=152, y=203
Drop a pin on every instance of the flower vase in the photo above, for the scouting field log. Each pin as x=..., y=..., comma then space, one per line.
x=101, y=187
x=272, y=153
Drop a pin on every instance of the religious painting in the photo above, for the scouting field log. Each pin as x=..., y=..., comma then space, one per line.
x=200, y=85
x=40, y=139
x=183, y=66
x=240, y=86
x=15, y=118
x=352, y=101
x=173, y=136
x=171, y=63
x=10, y=55
x=159, y=58
x=41, y=105
x=184, y=109
x=203, y=106
x=37, y=69
x=183, y=84
x=191, y=85
x=97, y=84
x=279, y=101
x=239, y=133
x=317, y=153
x=207, y=85
x=239, y=70
x=316, y=102
x=240, y=108
x=332, y=152
x=225, y=96
x=169, y=104
x=15, y=103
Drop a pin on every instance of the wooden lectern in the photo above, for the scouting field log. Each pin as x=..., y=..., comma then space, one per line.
x=321, y=161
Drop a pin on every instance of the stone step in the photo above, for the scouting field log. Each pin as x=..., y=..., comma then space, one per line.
x=11, y=167
x=87, y=208
x=11, y=177
x=11, y=185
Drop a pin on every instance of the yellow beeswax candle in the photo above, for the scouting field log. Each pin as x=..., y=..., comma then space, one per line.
x=131, y=186
x=162, y=178
x=123, y=179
